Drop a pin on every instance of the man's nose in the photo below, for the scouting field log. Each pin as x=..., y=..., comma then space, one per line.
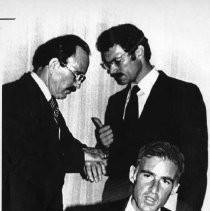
x=155, y=186
x=113, y=69
x=77, y=84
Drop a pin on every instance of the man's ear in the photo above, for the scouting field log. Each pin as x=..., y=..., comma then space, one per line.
x=139, y=52
x=175, y=188
x=54, y=64
x=132, y=174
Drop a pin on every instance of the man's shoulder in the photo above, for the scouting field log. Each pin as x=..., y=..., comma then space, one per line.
x=18, y=93
x=19, y=83
x=173, y=81
x=175, y=85
x=120, y=94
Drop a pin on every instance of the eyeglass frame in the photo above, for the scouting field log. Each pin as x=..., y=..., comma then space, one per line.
x=78, y=77
x=107, y=65
x=116, y=61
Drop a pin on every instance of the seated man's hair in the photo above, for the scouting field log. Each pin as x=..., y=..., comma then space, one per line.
x=163, y=150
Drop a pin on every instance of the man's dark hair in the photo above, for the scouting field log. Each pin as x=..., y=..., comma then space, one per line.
x=128, y=36
x=163, y=150
x=60, y=47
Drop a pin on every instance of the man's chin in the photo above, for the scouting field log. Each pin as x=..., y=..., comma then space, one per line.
x=120, y=82
x=62, y=97
x=120, y=79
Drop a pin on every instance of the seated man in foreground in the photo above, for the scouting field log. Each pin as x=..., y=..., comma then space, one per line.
x=155, y=177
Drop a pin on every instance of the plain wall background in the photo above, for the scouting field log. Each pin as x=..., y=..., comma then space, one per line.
x=178, y=33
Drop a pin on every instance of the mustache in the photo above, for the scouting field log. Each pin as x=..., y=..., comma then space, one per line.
x=72, y=89
x=116, y=75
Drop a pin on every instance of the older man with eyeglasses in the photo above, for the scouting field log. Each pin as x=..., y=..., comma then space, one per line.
x=38, y=148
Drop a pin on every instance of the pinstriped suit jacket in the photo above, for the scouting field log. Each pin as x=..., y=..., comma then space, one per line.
x=32, y=151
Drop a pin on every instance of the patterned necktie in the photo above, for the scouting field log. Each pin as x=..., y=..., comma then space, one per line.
x=132, y=109
x=56, y=111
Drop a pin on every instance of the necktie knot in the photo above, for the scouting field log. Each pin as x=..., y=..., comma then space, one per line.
x=134, y=90
x=53, y=103
x=131, y=113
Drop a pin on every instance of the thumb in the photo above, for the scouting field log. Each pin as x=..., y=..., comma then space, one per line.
x=97, y=122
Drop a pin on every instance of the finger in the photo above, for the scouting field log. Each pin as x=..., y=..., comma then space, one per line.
x=107, y=141
x=95, y=172
x=107, y=136
x=107, y=144
x=105, y=133
x=89, y=172
x=104, y=129
x=85, y=172
x=97, y=122
x=99, y=170
x=103, y=168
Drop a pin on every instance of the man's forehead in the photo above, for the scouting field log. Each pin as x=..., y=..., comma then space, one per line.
x=159, y=166
x=78, y=61
x=72, y=62
x=113, y=52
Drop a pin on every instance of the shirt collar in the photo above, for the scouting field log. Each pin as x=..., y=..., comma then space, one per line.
x=41, y=85
x=148, y=81
x=129, y=206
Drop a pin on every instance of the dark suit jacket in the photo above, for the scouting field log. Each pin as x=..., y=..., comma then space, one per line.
x=119, y=205
x=174, y=112
x=34, y=159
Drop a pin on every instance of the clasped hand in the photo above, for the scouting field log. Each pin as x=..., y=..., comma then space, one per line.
x=95, y=164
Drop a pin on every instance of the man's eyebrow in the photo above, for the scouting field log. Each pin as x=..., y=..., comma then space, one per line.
x=168, y=178
x=164, y=177
x=115, y=58
x=147, y=171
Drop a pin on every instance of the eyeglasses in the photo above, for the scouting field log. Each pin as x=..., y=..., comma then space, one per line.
x=119, y=60
x=116, y=61
x=78, y=77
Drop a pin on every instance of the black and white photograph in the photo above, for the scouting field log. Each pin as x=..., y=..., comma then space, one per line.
x=105, y=105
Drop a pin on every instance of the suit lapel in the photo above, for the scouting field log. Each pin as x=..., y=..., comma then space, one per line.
x=123, y=100
x=41, y=109
x=156, y=99
x=164, y=209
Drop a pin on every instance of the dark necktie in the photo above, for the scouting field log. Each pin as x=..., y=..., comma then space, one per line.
x=55, y=109
x=132, y=109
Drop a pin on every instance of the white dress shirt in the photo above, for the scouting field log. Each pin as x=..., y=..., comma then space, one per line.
x=145, y=86
x=41, y=85
x=129, y=206
x=44, y=90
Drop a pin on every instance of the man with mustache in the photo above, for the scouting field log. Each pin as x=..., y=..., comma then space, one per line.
x=38, y=148
x=152, y=106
